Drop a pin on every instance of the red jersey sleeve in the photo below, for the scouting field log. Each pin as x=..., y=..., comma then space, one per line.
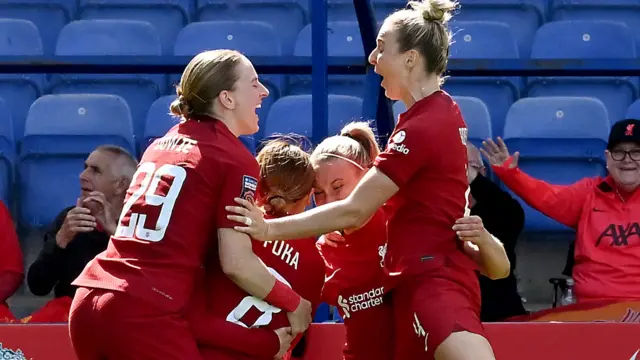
x=10, y=253
x=407, y=152
x=240, y=180
x=562, y=203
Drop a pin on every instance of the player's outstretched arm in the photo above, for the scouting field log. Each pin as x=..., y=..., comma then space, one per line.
x=243, y=267
x=373, y=191
x=486, y=250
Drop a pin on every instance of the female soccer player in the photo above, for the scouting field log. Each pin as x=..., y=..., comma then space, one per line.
x=286, y=179
x=137, y=290
x=355, y=280
x=422, y=178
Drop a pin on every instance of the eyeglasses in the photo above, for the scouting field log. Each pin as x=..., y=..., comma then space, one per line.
x=620, y=155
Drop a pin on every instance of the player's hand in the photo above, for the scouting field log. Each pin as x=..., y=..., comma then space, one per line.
x=331, y=239
x=471, y=229
x=101, y=210
x=252, y=217
x=78, y=220
x=285, y=337
x=498, y=154
x=301, y=318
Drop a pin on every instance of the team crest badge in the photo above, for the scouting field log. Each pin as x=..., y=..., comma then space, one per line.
x=249, y=186
x=629, y=131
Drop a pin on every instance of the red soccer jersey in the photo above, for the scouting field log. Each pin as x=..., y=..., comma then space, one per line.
x=172, y=211
x=426, y=157
x=297, y=263
x=357, y=262
x=9, y=244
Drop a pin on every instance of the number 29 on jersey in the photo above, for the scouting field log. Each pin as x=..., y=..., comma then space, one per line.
x=148, y=178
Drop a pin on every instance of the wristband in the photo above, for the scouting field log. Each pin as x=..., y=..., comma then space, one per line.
x=283, y=297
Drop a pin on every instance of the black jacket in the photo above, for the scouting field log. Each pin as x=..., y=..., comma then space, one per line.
x=502, y=216
x=56, y=268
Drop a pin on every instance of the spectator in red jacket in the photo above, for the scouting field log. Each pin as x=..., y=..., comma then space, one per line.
x=11, y=265
x=604, y=211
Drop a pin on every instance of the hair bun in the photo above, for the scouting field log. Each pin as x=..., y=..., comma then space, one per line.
x=180, y=106
x=433, y=14
x=435, y=10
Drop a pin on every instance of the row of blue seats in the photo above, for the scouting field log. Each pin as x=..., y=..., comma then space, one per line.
x=560, y=139
x=288, y=17
x=474, y=40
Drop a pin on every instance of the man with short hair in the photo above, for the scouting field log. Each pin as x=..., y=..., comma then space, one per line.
x=82, y=231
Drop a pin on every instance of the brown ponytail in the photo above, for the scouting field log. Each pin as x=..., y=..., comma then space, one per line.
x=286, y=174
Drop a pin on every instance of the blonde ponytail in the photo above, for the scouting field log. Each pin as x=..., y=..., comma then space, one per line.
x=356, y=143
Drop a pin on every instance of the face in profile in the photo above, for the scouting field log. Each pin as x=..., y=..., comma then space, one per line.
x=335, y=180
x=98, y=174
x=389, y=62
x=248, y=94
x=623, y=163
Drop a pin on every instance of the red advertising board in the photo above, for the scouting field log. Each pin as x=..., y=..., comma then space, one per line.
x=511, y=341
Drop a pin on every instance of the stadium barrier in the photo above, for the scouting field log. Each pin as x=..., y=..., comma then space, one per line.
x=511, y=341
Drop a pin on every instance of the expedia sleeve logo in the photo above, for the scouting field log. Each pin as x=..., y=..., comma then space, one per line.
x=249, y=186
x=396, y=142
x=360, y=302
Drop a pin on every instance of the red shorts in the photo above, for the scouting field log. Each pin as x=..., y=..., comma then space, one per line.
x=429, y=307
x=368, y=322
x=106, y=325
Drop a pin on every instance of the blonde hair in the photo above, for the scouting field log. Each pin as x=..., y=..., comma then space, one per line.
x=423, y=27
x=205, y=77
x=356, y=143
x=286, y=174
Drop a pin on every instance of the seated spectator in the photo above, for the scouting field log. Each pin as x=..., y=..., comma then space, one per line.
x=82, y=231
x=11, y=264
x=604, y=211
x=502, y=216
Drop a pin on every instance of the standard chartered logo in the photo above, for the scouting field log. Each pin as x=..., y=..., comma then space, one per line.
x=359, y=302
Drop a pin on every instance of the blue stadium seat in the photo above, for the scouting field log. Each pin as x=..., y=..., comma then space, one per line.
x=49, y=16
x=344, y=39
x=20, y=37
x=343, y=10
x=159, y=121
x=7, y=154
x=523, y=16
x=167, y=16
x=323, y=313
x=634, y=110
x=286, y=16
x=625, y=11
x=561, y=140
x=292, y=114
x=475, y=114
x=586, y=40
x=112, y=37
x=252, y=38
x=60, y=132
x=486, y=40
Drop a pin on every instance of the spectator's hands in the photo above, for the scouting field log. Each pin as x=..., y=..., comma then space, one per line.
x=251, y=215
x=100, y=208
x=78, y=220
x=301, y=318
x=285, y=337
x=470, y=229
x=498, y=154
x=331, y=239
